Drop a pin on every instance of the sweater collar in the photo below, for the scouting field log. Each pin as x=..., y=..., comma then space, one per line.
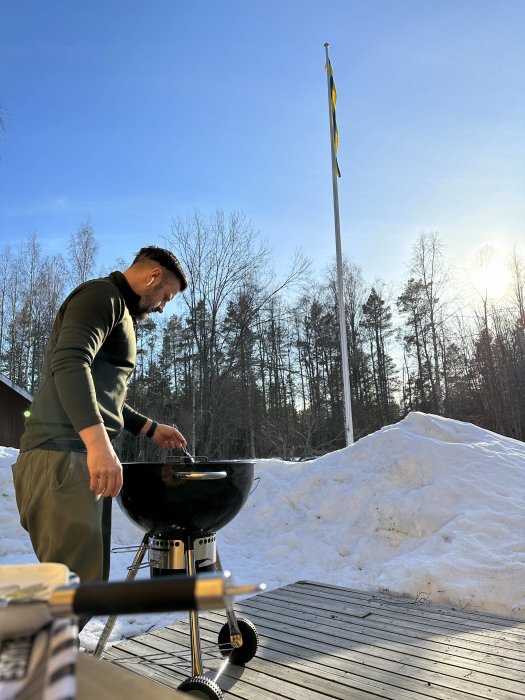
x=131, y=298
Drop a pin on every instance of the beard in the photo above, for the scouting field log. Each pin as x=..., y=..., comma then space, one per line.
x=145, y=306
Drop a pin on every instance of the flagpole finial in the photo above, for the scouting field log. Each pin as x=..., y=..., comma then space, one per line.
x=326, y=44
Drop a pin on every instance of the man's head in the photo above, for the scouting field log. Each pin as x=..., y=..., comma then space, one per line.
x=157, y=276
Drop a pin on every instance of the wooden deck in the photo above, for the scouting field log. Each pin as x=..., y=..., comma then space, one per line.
x=321, y=641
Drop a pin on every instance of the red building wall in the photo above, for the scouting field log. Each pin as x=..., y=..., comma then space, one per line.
x=12, y=407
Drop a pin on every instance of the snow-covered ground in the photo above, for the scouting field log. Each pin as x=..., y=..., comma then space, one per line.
x=430, y=508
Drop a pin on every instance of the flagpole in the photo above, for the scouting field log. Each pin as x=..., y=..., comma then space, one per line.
x=349, y=429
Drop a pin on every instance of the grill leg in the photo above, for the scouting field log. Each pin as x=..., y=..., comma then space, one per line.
x=196, y=658
x=132, y=572
x=235, y=632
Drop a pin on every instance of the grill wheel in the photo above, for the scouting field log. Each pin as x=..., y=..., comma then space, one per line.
x=250, y=641
x=201, y=687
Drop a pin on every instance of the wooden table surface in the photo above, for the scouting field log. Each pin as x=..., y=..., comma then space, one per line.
x=100, y=680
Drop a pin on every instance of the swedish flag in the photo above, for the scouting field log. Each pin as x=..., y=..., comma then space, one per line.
x=333, y=100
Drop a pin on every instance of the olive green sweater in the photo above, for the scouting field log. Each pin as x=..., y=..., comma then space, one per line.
x=90, y=355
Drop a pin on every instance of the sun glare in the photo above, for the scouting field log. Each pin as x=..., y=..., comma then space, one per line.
x=490, y=276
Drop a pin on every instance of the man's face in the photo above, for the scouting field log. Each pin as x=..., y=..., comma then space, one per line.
x=160, y=289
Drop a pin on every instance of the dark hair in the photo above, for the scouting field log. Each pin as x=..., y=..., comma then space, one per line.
x=166, y=259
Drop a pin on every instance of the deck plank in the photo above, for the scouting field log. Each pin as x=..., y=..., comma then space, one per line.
x=450, y=616
x=417, y=641
x=320, y=641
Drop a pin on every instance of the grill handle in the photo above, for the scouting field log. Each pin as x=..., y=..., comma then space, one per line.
x=200, y=476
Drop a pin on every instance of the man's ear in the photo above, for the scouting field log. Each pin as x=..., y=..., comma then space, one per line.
x=156, y=272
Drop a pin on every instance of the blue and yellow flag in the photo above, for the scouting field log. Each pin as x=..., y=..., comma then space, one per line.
x=333, y=100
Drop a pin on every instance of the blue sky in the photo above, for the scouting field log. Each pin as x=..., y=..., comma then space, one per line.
x=133, y=113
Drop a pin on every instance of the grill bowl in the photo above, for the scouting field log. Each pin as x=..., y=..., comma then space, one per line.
x=161, y=496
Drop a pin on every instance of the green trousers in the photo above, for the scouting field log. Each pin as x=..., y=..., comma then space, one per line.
x=62, y=516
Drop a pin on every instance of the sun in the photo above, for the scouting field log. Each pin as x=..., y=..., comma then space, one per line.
x=489, y=273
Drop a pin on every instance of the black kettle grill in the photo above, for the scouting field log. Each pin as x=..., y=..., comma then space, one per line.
x=180, y=505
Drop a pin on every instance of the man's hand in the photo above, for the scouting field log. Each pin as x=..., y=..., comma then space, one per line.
x=168, y=437
x=105, y=469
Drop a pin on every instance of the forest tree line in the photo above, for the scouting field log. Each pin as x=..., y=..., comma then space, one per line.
x=249, y=363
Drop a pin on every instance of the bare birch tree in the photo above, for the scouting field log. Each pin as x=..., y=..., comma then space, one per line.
x=428, y=266
x=82, y=254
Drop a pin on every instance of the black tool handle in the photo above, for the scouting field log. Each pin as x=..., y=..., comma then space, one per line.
x=163, y=594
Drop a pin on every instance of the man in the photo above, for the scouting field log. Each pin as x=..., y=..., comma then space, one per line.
x=67, y=461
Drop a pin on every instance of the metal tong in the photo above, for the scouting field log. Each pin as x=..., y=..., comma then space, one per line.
x=188, y=455
x=185, y=450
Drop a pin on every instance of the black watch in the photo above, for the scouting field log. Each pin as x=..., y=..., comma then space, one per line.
x=152, y=429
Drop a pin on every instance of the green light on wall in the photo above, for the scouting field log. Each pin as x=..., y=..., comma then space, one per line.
x=27, y=414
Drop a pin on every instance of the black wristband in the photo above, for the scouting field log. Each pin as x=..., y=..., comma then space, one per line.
x=152, y=429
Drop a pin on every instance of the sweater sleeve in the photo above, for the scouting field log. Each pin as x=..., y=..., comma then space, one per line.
x=133, y=420
x=87, y=319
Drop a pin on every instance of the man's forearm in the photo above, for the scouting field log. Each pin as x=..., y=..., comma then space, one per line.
x=95, y=437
